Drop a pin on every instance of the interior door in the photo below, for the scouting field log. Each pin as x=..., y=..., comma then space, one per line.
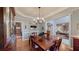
x=18, y=36
x=1, y=28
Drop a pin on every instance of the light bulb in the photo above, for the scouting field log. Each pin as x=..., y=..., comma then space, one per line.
x=43, y=19
x=37, y=17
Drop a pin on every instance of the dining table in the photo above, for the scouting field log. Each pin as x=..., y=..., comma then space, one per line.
x=44, y=44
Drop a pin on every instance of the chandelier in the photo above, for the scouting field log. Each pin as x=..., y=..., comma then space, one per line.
x=39, y=19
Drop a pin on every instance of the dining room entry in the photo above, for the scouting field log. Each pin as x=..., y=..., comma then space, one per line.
x=18, y=36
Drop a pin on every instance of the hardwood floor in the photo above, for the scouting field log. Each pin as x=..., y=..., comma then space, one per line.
x=64, y=47
x=23, y=45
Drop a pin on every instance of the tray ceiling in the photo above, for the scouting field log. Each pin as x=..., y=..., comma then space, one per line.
x=32, y=12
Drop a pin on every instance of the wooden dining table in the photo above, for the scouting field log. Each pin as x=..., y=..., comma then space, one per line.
x=44, y=43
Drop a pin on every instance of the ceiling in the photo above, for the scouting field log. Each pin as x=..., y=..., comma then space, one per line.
x=32, y=12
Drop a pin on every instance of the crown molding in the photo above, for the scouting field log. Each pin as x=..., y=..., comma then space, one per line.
x=21, y=14
x=53, y=13
x=47, y=16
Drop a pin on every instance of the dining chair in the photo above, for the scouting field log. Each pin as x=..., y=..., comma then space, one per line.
x=56, y=45
x=53, y=47
x=30, y=42
x=33, y=45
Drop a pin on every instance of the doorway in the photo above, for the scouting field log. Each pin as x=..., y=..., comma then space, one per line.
x=18, y=36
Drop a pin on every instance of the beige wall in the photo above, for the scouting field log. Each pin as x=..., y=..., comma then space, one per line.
x=74, y=22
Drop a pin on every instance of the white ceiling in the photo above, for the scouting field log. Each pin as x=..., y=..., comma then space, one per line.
x=32, y=12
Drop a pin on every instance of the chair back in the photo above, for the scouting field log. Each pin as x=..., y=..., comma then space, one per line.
x=58, y=43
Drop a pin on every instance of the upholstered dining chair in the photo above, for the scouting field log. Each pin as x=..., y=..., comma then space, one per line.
x=56, y=45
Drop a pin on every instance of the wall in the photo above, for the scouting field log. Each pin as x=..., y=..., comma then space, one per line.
x=41, y=27
x=61, y=20
x=54, y=25
x=28, y=22
x=24, y=22
x=74, y=22
x=65, y=19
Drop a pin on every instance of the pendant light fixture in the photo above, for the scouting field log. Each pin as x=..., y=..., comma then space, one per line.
x=39, y=19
